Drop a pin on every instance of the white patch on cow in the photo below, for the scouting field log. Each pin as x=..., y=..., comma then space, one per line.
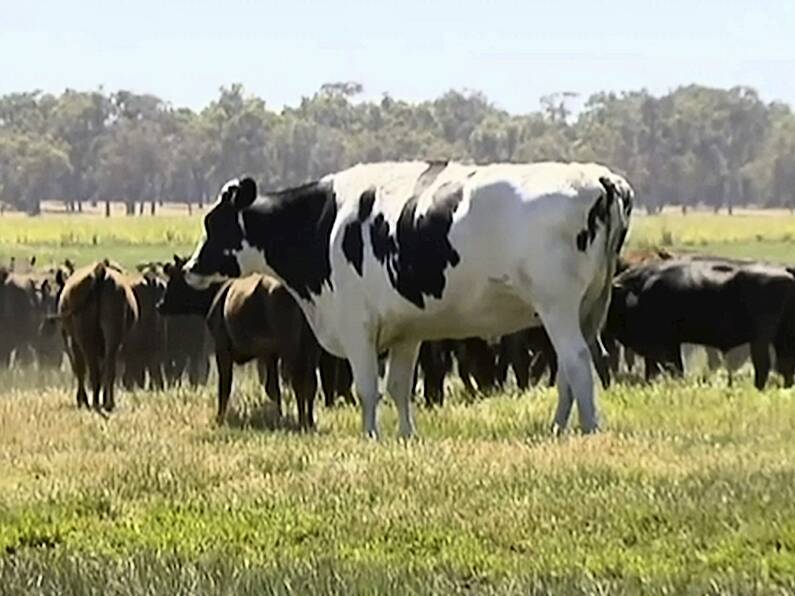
x=201, y=282
x=229, y=183
x=251, y=260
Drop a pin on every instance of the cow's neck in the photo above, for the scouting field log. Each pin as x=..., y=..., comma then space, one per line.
x=287, y=235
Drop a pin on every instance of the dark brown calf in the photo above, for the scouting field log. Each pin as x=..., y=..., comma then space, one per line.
x=252, y=318
x=97, y=309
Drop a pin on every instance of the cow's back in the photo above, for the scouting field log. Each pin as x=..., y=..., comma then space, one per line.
x=489, y=231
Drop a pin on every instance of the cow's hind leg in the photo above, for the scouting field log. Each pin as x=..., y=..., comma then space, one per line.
x=574, y=361
x=565, y=403
x=400, y=372
x=271, y=374
x=109, y=380
x=78, y=361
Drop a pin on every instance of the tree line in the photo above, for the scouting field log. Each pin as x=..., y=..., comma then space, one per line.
x=696, y=145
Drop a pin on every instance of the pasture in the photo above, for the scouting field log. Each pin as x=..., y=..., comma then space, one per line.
x=691, y=487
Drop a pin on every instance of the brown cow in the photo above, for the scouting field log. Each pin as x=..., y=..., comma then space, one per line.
x=97, y=309
x=142, y=352
x=17, y=318
x=251, y=317
x=183, y=340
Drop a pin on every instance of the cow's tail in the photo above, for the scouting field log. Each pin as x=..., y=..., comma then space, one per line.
x=94, y=293
x=613, y=207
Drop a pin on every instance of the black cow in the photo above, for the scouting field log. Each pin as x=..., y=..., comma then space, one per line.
x=658, y=306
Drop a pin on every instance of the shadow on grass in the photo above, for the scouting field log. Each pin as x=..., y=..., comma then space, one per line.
x=264, y=417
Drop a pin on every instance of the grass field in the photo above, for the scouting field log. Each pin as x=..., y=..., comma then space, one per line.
x=690, y=488
x=129, y=240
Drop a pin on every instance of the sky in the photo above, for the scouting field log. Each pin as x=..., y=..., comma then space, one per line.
x=513, y=51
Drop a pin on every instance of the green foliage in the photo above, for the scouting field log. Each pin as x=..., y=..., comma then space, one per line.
x=695, y=145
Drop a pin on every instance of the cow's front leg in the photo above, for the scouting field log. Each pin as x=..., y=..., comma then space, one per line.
x=364, y=363
x=399, y=376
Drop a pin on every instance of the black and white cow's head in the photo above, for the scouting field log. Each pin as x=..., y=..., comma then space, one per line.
x=217, y=255
x=284, y=234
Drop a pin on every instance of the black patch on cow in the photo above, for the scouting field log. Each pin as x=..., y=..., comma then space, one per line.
x=352, y=242
x=224, y=235
x=418, y=252
x=597, y=214
x=472, y=173
x=293, y=229
x=353, y=246
x=366, y=204
x=383, y=244
x=582, y=240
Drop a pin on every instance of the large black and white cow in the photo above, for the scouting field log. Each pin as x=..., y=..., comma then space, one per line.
x=382, y=256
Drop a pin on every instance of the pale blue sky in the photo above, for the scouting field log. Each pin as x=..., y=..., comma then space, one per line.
x=514, y=51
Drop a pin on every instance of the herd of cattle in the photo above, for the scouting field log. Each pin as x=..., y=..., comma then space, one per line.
x=343, y=249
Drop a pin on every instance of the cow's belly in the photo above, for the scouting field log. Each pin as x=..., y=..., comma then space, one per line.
x=496, y=313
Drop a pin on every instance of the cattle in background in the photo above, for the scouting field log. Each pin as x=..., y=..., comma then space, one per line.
x=476, y=359
x=251, y=318
x=383, y=256
x=186, y=350
x=631, y=258
x=336, y=378
x=185, y=343
x=658, y=306
x=96, y=308
x=435, y=360
x=530, y=354
x=49, y=347
x=142, y=353
x=18, y=318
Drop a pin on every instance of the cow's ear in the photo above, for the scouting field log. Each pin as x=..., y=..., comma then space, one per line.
x=245, y=195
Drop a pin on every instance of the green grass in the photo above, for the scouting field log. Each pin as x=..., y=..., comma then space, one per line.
x=128, y=240
x=691, y=487
x=131, y=240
